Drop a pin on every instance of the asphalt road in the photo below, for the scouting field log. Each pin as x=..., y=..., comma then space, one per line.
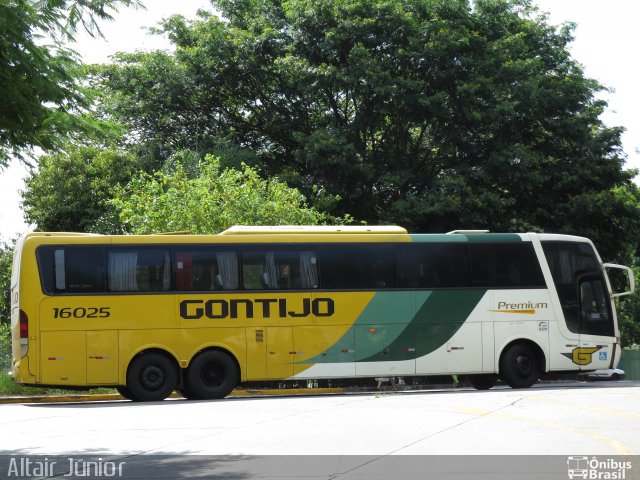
x=346, y=435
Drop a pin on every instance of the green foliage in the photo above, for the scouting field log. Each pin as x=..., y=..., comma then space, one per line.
x=5, y=347
x=165, y=94
x=40, y=84
x=71, y=191
x=432, y=114
x=6, y=260
x=210, y=202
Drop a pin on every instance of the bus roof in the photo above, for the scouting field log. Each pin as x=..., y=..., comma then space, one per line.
x=286, y=229
x=304, y=234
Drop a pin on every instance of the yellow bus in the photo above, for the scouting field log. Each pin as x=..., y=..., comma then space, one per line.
x=201, y=313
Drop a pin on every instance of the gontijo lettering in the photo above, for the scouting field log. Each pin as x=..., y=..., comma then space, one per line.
x=264, y=307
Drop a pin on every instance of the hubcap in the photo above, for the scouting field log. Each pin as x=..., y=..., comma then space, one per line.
x=211, y=375
x=152, y=377
x=525, y=365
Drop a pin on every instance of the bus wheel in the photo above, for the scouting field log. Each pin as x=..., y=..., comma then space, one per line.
x=212, y=374
x=482, y=382
x=125, y=392
x=151, y=377
x=518, y=366
x=186, y=393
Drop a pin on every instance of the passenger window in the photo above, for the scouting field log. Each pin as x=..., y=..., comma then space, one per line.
x=433, y=266
x=72, y=269
x=203, y=269
x=139, y=270
x=364, y=266
x=279, y=270
x=505, y=265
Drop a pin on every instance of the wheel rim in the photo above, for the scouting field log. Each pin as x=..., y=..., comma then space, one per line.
x=524, y=366
x=212, y=375
x=152, y=377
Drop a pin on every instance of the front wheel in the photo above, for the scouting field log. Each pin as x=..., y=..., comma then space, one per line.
x=151, y=377
x=519, y=367
x=212, y=374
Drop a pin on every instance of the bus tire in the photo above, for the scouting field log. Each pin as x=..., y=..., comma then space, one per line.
x=519, y=366
x=151, y=377
x=125, y=392
x=482, y=382
x=186, y=393
x=212, y=374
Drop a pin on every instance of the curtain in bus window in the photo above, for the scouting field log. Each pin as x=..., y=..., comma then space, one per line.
x=228, y=268
x=122, y=271
x=270, y=274
x=308, y=270
x=166, y=272
x=61, y=281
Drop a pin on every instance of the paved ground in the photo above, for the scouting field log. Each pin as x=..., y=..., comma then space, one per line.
x=247, y=435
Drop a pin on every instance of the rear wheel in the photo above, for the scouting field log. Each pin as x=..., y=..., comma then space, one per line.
x=186, y=392
x=151, y=377
x=125, y=392
x=482, y=382
x=212, y=374
x=519, y=367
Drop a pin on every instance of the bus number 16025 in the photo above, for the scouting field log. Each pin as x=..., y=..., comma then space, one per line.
x=82, y=312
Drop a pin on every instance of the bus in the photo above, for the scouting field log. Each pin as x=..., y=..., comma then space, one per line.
x=202, y=313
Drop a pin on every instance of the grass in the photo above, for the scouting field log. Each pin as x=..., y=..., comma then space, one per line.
x=9, y=388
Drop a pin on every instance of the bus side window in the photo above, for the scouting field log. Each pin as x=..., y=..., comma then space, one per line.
x=513, y=265
x=139, y=270
x=363, y=266
x=430, y=265
x=279, y=270
x=204, y=269
x=72, y=269
x=254, y=276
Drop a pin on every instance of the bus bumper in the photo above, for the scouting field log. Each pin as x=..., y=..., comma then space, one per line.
x=20, y=371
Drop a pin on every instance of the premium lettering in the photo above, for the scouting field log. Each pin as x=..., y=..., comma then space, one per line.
x=264, y=307
x=521, y=306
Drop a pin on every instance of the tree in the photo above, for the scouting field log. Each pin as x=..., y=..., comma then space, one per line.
x=6, y=259
x=210, y=202
x=40, y=84
x=71, y=191
x=434, y=114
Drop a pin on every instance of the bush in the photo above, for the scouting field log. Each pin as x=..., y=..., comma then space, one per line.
x=5, y=348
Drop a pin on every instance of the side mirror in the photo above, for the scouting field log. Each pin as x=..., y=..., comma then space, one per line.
x=629, y=275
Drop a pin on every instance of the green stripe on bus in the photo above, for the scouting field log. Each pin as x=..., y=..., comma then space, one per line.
x=403, y=325
x=466, y=238
x=435, y=322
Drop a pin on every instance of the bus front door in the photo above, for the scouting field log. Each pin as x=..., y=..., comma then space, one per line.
x=597, y=336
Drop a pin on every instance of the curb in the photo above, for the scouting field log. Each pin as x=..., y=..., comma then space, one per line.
x=110, y=397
